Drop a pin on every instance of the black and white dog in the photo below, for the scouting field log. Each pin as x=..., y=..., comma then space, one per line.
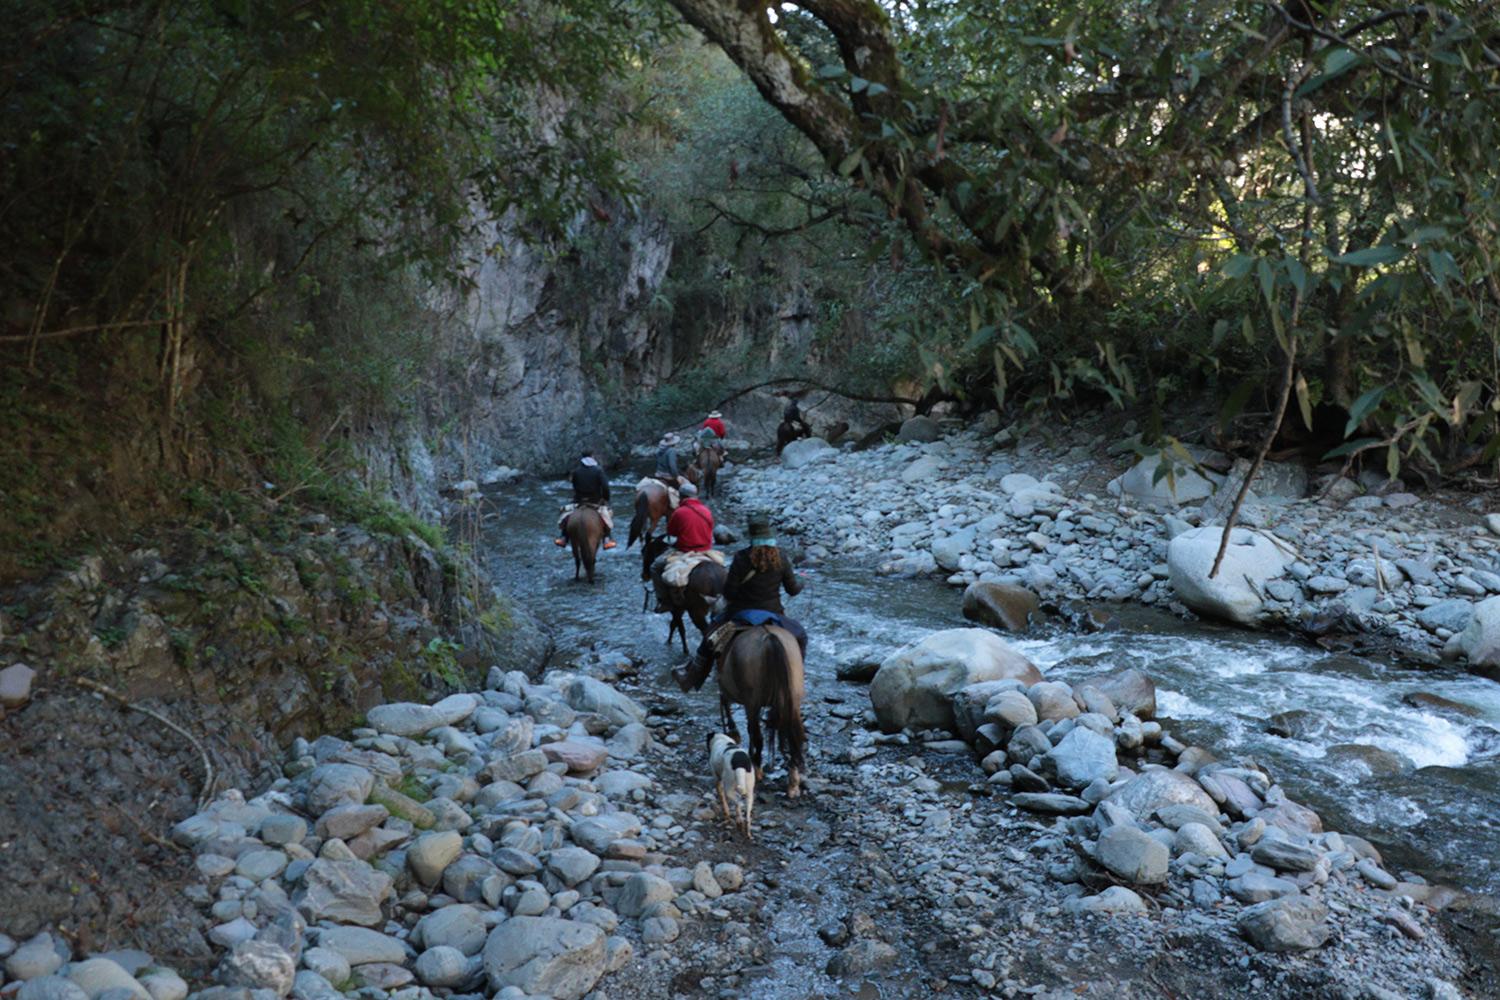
x=735, y=774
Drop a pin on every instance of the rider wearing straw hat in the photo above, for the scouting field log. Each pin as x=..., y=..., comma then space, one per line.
x=666, y=460
x=711, y=432
x=756, y=579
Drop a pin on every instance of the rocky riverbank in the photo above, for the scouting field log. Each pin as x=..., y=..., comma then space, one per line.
x=1363, y=563
x=557, y=838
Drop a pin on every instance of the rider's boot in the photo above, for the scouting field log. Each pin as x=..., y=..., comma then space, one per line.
x=561, y=543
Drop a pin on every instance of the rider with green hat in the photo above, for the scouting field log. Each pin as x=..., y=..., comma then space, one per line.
x=752, y=590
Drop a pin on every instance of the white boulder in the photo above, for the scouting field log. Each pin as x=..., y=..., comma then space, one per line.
x=1480, y=641
x=807, y=451
x=1235, y=594
x=915, y=685
x=1186, y=485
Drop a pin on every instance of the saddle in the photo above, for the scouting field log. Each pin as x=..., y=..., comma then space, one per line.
x=725, y=634
x=680, y=565
x=673, y=498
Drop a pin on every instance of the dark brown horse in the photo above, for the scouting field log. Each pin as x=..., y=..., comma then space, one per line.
x=585, y=533
x=708, y=462
x=789, y=431
x=652, y=505
x=762, y=670
x=705, y=584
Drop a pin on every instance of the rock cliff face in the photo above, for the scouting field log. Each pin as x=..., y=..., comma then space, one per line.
x=542, y=339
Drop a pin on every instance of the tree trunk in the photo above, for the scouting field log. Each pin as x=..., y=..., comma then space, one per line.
x=1338, y=369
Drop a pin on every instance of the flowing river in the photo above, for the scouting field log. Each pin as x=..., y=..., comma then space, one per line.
x=1417, y=776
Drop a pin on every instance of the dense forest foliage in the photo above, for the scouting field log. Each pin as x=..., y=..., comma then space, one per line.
x=1134, y=197
x=1027, y=203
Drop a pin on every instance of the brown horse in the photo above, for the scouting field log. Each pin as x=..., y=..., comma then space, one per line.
x=708, y=461
x=705, y=584
x=789, y=431
x=652, y=505
x=762, y=669
x=585, y=533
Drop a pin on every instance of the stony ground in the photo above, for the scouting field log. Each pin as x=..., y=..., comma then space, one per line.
x=557, y=837
x=1363, y=562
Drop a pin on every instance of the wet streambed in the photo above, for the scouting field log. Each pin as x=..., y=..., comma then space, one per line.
x=1344, y=734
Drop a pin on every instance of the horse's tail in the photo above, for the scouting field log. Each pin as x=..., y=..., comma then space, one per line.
x=785, y=702
x=641, y=519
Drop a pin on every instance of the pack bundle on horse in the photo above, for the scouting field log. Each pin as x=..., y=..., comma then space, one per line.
x=585, y=533
x=704, y=585
x=761, y=669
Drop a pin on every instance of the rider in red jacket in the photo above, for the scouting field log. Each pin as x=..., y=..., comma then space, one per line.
x=692, y=524
x=715, y=423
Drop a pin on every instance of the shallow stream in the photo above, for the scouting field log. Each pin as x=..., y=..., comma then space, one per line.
x=1421, y=781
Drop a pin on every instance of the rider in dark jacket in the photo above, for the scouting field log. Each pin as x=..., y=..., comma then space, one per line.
x=590, y=489
x=757, y=576
x=590, y=484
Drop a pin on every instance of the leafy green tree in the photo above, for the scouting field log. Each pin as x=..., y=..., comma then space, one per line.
x=1299, y=196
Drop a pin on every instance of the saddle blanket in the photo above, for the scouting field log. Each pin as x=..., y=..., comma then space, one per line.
x=742, y=620
x=679, y=565
x=673, y=499
x=603, y=509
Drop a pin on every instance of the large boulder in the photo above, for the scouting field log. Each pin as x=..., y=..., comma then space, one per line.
x=347, y=892
x=1129, y=690
x=1480, y=641
x=914, y=686
x=459, y=926
x=331, y=785
x=1133, y=854
x=1454, y=614
x=807, y=451
x=1281, y=480
x=404, y=718
x=919, y=429
x=922, y=469
x=562, y=959
x=1235, y=593
x=585, y=694
x=1291, y=923
x=1156, y=789
x=1185, y=486
x=1082, y=757
x=1000, y=605
x=99, y=975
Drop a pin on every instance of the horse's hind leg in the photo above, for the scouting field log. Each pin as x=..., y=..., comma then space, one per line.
x=757, y=740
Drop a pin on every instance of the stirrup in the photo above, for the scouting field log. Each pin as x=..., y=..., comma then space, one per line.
x=610, y=543
x=561, y=543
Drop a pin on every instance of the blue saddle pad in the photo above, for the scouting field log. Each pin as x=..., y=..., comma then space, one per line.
x=757, y=617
